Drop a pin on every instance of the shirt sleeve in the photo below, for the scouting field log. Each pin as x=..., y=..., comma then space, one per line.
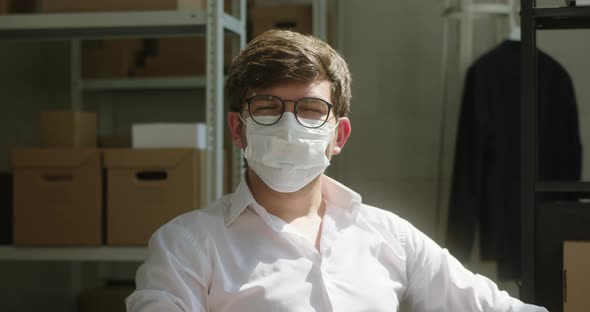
x=172, y=277
x=438, y=282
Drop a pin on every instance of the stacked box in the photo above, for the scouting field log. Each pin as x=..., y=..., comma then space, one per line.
x=114, y=58
x=576, y=274
x=3, y=7
x=180, y=56
x=170, y=135
x=297, y=18
x=147, y=188
x=57, y=197
x=18, y=6
x=60, y=129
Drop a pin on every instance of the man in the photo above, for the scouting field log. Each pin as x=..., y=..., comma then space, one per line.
x=290, y=238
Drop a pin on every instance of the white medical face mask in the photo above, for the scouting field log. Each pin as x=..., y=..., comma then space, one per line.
x=287, y=156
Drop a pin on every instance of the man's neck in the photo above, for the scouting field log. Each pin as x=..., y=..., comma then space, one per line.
x=306, y=202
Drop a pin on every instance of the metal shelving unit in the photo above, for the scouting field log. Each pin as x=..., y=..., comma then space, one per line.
x=533, y=19
x=212, y=23
x=78, y=26
x=562, y=18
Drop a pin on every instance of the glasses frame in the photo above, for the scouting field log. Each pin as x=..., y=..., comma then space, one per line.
x=295, y=102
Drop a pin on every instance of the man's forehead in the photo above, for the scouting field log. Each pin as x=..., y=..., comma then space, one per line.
x=317, y=88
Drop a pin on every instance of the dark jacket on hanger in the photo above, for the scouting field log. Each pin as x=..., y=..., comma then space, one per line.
x=486, y=175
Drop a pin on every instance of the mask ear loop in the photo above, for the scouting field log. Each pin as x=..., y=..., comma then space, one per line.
x=335, y=125
x=242, y=118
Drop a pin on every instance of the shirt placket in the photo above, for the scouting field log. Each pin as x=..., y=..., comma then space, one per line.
x=319, y=261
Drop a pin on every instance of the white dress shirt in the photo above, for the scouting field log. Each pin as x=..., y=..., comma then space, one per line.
x=235, y=256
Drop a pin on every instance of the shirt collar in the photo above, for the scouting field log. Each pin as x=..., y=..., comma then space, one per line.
x=335, y=193
x=241, y=198
x=344, y=201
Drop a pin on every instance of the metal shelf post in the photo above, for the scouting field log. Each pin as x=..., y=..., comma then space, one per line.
x=528, y=148
x=214, y=101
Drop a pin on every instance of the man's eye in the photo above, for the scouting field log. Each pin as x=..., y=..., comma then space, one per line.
x=312, y=109
x=266, y=107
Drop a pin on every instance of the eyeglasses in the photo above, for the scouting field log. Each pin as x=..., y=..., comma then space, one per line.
x=267, y=110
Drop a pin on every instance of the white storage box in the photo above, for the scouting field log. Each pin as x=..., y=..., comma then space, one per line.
x=170, y=135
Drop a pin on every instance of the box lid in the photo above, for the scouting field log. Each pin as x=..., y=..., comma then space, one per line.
x=146, y=157
x=52, y=157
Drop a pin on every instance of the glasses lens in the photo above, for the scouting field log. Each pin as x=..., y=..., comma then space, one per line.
x=312, y=113
x=265, y=109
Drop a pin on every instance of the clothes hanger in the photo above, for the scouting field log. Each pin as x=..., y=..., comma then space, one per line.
x=515, y=32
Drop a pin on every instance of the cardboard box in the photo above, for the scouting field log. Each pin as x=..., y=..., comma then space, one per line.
x=54, y=6
x=4, y=7
x=17, y=6
x=176, y=56
x=297, y=18
x=5, y=208
x=114, y=58
x=68, y=129
x=147, y=188
x=576, y=276
x=170, y=135
x=110, y=299
x=57, y=197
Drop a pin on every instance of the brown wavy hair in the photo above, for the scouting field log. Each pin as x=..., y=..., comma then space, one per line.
x=279, y=56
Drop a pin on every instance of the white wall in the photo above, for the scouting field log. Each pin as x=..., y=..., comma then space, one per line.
x=393, y=49
x=392, y=159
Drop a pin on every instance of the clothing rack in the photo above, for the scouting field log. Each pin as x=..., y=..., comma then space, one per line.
x=466, y=13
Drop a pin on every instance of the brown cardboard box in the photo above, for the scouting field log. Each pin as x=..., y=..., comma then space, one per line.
x=17, y=6
x=5, y=208
x=119, y=5
x=110, y=299
x=23, y=6
x=57, y=197
x=184, y=56
x=4, y=7
x=114, y=58
x=68, y=129
x=297, y=18
x=147, y=188
x=576, y=276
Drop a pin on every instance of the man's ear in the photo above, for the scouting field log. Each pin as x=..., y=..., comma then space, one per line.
x=342, y=133
x=235, y=128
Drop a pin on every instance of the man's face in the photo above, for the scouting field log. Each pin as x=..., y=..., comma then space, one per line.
x=294, y=91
